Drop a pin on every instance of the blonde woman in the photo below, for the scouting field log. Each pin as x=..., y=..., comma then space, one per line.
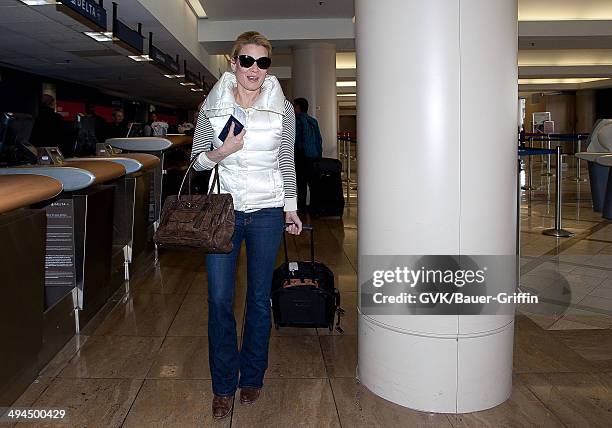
x=257, y=167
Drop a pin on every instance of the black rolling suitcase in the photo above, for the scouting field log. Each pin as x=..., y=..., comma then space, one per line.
x=303, y=293
x=326, y=196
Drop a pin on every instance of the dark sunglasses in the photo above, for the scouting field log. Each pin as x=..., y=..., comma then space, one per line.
x=246, y=61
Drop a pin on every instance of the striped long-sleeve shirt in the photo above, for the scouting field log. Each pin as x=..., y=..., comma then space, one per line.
x=204, y=135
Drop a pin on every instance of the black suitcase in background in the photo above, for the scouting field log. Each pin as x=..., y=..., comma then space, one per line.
x=303, y=293
x=325, y=181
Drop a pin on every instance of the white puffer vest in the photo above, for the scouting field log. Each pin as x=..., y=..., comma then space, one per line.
x=252, y=175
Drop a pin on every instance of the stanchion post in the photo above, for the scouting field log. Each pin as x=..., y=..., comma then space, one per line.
x=343, y=152
x=558, y=230
x=578, y=178
x=518, y=219
x=348, y=172
x=348, y=158
x=547, y=173
x=529, y=185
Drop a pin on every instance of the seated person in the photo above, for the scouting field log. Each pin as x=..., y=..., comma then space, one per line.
x=118, y=128
x=155, y=127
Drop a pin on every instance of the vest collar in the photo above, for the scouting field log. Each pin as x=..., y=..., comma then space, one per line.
x=220, y=101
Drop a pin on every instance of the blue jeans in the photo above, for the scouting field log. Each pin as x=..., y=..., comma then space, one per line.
x=262, y=230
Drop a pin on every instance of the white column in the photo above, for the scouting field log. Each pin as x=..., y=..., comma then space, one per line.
x=314, y=78
x=437, y=85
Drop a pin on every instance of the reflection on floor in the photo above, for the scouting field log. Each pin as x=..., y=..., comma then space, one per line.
x=143, y=360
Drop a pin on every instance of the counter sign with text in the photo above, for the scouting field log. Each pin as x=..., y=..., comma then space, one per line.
x=85, y=11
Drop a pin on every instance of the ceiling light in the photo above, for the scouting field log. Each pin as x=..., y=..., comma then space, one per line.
x=187, y=84
x=140, y=58
x=564, y=57
x=39, y=2
x=174, y=76
x=346, y=60
x=346, y=83
x=100, y=36
x=347, y=95
x=197, y=8
x=197, y=90
x=564, y=10
x=549, y=81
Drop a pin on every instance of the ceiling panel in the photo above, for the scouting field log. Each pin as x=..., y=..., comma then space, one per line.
x=228, y=10
x=557, y=42
x=11, y=11
x=44, y=41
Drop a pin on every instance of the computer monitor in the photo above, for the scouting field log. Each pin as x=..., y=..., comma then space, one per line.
x=86, y=140
x=135, y=130
x=15, y=147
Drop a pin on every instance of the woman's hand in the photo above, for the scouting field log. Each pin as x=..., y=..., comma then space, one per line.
x=296, y=227
x=232, y=143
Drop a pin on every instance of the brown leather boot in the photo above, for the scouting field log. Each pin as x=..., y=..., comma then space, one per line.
x=221, y=406
x=249, y=395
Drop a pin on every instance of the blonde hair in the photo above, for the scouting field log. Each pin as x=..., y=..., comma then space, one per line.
x=251, y=38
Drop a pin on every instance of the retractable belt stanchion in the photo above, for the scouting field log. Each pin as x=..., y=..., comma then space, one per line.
x=578, y=178
x=529, y=190
x=350, y=140
x=548, y=173
x=348, y=170
x=558, y=230
x=518, y=217
x=531, y=152
x=529, y=184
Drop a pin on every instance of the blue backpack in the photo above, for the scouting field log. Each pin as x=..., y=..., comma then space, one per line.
x=308, y=139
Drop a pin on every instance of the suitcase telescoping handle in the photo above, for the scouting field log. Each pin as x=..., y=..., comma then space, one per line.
x=308, y=227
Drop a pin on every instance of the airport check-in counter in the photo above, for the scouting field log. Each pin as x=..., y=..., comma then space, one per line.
x=173, y=151
x=23, y=230
x=131, y=208
x=80, y=226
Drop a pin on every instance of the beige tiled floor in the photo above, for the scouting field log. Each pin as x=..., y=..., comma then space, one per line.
x=144, y=360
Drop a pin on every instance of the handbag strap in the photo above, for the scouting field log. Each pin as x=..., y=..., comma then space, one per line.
x=215, y=180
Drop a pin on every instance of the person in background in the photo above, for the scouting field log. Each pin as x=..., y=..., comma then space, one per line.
x=101, y=125
x=50, y=129
x=155, y=127
x=148, y=129
x=308, y=147
x=117, y=128
x=184, y=126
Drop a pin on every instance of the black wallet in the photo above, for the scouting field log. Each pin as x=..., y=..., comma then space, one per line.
x=225, y=131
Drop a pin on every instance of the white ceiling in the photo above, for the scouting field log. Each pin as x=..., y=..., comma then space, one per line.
x=44, y=41
x=231, y=10
x=557, y=38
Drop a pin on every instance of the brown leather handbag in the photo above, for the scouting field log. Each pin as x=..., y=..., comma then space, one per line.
x=197, y=222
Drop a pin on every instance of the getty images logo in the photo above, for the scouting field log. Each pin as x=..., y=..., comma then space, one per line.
x=412, y=278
